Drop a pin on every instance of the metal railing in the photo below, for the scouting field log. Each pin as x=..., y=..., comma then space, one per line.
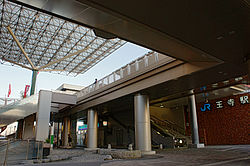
x=172, y=128
x=16, y=151
x=138, y=65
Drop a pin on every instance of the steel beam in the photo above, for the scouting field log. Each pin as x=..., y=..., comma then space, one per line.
x=23, y=66
x=19, y=45
x=33, y=82
x=61, y=59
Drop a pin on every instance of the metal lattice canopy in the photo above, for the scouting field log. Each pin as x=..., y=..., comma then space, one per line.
x=47, y=39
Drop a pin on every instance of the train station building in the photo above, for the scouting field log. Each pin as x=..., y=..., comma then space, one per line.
x=192, y=90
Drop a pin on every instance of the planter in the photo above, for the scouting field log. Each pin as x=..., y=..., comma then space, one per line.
x=46, y=149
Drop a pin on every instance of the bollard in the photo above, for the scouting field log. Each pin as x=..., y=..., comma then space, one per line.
x=109, y=146
x=161, y=147
x=130, y=147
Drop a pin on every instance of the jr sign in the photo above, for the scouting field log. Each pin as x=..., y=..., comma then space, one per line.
x=219, y=104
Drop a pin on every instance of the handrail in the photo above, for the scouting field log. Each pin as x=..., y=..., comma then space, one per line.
x=32, y=147
x=135, y=66
x=170, y=125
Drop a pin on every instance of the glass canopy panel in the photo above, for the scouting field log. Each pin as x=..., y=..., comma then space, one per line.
x=46, y=38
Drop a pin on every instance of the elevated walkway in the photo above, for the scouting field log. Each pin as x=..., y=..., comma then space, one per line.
x=142, y=74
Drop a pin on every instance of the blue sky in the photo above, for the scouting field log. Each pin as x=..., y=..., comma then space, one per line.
x=19, y=77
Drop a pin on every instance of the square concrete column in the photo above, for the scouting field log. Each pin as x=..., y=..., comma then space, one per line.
x=194, y=123
x=92, y=130
x=28, y=128
x=19, y=132
x=43, y=115
x=66, y=131
x=142, y=124
x=73, y=132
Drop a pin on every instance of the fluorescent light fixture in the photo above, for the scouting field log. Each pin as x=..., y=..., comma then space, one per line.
x=236, y=88
x=105, y=123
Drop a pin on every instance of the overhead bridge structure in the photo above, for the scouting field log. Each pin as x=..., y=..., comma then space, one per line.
x=133, y=86
x=197, y=43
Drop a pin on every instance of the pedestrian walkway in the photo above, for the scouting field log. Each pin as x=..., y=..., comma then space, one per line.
x=214, y=155
x=209, y=156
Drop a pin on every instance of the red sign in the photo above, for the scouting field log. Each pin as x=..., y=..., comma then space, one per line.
x=9, y=91
x=26, y=90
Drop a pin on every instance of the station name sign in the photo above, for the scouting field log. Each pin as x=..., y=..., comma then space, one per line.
x=220, y=103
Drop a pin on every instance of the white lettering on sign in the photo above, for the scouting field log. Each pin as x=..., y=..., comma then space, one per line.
x=230, y=102
x=244, y=99
x=219, y=104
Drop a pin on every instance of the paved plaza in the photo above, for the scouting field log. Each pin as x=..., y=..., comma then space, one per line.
x=209, y=156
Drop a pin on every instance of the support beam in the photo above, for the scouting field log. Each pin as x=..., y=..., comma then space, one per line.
x=33, y=82
x=194, y=123
x=61, y=59
x=142, y=124
x=19, y=132
x=73, y=132
x=92, y=130
x=48, y=70
x=28, y=127
x=19, y=45
x=66, y=131
x=21, y=65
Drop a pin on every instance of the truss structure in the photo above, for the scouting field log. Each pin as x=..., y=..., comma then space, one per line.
x=46, y=38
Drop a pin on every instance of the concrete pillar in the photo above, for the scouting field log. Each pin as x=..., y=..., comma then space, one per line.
x=73, y=132
x=19, y=132
x=28, y=127
x=194, y=123
x=66, y=130
x=43, y=115
x=142, y=124
x=92, y=130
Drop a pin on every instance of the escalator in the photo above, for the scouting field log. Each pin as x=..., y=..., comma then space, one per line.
x=163, y=132
x=168, y=134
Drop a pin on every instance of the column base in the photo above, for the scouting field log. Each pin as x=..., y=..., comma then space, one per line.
x=91, y=149
x=148, y=152
x=196, y=146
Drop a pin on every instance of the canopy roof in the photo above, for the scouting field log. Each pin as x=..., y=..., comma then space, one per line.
x=47, y=39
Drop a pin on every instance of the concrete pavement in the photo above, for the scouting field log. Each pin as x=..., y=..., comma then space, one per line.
x=209, y=156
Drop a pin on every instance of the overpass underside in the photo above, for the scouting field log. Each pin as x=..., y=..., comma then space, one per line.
x=113, y=103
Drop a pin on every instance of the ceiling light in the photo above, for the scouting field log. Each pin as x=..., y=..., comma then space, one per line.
x=215, y=85
x=238, y=78
x=219, y=37
x=236, y=88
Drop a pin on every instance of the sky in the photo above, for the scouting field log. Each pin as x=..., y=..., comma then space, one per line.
x=19, y=77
